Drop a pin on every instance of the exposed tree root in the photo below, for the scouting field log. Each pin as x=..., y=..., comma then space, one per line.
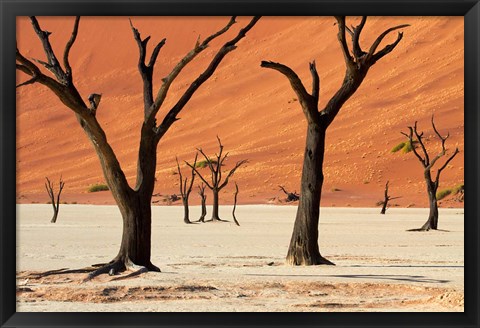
x=325, y=261
x=301, y=260
x=217, y=220
x=117, y=266
x=419, y=229
x=427, y=229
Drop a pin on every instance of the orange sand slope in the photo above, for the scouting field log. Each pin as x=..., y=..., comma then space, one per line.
x=252, y=109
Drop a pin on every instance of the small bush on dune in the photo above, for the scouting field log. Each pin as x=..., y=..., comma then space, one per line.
x=405, y=147
x=450, y=191
x=443, y=193
x=398, y=147
x=204, y=163
x=409, y=146
x=98, y=187
x=458, y=189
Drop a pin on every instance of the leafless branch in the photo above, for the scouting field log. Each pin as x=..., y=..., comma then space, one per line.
x=235, y=204
x=374, y=57
x=297, y=86
x=343, y=42
x=68, y=46
x=222, y=52
x=232, y=171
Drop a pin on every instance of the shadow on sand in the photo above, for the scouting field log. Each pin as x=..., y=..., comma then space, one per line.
x=396, y=277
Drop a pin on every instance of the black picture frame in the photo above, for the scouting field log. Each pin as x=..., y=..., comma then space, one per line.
x=9, y=9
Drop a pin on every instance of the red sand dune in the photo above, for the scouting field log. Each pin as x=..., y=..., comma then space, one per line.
x=252, y=109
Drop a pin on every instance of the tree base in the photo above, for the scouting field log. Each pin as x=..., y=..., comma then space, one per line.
x=421, y=229
x=302, y=260
x=118, y=265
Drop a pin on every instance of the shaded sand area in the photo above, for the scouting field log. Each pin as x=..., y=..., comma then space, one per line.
x=221, y=267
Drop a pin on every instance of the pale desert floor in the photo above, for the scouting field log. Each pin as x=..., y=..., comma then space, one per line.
x=221, y=267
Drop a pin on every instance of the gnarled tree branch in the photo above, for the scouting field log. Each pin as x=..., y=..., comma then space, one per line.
x=224, y=50
x=307, y=101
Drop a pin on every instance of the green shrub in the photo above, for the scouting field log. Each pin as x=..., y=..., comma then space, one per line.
x=398, y=147
x=97, y=187
x=406, y=147
x=443, y=193
x=204, y=163
x=409, y=146
x=458, y=189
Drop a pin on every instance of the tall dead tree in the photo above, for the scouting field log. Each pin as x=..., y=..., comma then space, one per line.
x=427, y=163
x=386, y=199
x=235, y=205
x=216, y=184
x=51, y=194
x=303, y=249
x=203, y=196
x=186, y=190
x=134, y=202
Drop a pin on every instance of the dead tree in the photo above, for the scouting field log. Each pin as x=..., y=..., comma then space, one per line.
x=235, y=204
x=427, y=163
x=291, y=196
x=51, y=194
x=134, y=202
x=217, y=184
x=185, y=191
x=203, y=196
x=386, y=199
x=303, y=249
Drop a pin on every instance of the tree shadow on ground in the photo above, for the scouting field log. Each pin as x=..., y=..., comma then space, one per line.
x=38, y=275
x=402, y=266
x=397, y=277
x=424, y=230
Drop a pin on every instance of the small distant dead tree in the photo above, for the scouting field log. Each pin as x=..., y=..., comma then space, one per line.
x=184, y=190
x=217, y=184
x=51, y=194
x=291, y=196
x=427, y=163
x=386, y=199
x=235, y=204
x=203, y=196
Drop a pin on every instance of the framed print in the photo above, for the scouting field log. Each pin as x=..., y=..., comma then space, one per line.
x=297, y=164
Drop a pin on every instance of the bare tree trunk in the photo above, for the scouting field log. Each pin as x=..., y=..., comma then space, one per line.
x=136, y=237
x=215, y=215
x=432, y=221
x=51, y=194
x=201, y=192
x=384, y=208
x=385, y=200
x=135, y=208
x=186, y=215
x=186, y=190
x=235, y=204
x=303, y=249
